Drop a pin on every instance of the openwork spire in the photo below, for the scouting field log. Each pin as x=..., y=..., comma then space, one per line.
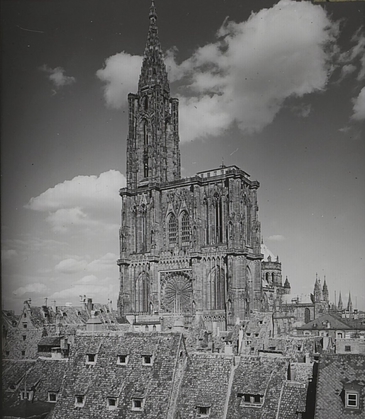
x=153, y=70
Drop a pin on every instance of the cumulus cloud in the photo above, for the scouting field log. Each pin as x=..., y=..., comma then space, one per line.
x=57, y=76
x=73, y=265
x=120, y=75
x=36, y=288
x=97, y=289
x=356, y=52
x=276, y=238
x=84, y=201
x=359, y=106
x=69, y=266
x=244, y=76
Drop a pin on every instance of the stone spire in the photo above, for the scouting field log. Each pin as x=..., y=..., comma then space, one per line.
x=340, y=304
x=349, y=304
x=317, y=290
x=153, y=70
x=325, y=293
x=153, y=153
x=287, y=286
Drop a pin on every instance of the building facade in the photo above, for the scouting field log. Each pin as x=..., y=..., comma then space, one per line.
x=188, y=246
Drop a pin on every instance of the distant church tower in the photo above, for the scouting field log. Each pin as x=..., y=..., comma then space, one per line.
x=189, y=247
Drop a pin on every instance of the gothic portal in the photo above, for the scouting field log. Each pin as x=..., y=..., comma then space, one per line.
x=188, y=246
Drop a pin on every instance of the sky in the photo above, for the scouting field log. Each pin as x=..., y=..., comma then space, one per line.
x=276, y=88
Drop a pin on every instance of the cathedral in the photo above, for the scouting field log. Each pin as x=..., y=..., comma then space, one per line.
x=188, y=246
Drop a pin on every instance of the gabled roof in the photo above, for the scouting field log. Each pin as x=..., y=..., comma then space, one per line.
x=320, y=323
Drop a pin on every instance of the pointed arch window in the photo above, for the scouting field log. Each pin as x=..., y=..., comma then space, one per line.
x=141, y=293
x=218, y=215
x=217, y=289
x=185, y=227
x=172, y=229
x=145, y=153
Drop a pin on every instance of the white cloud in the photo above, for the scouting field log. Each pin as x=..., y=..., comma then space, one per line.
x=359, y=106
x=69, y=266
x=75, y=264
x=36, y=288
x=255, y=65
x=107, y=261
x=89, y=280
x=84, y=201
x=120, y=75
x=354, y=53
x=346, y=70
x=57, y=76
x=97, y=289
x=276, y=238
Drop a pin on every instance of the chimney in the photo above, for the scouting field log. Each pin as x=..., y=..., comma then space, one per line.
x=89, y=304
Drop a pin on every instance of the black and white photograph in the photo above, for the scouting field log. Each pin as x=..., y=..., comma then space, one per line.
x=183, y=209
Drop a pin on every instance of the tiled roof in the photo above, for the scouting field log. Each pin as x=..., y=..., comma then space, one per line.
x=292, y=400
x=106, y=378
x=257, y=376
x=320, y=323
x=335, y=371
x=205, y=383
x=50, y=341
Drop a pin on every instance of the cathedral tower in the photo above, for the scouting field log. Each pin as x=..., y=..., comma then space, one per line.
x=153, y=154
x=189, y=247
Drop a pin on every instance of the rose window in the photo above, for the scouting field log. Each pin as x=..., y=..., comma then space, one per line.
x=177, y=294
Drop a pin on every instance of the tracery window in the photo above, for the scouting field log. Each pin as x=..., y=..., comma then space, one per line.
x=141, y=293
x=217, y=289
x=172, y=229
x=185, y=228
x=218, y=215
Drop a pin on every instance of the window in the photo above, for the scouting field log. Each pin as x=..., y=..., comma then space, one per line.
x=185, y=228
x=26, y=395
x=52, y=397
x=203, y=411
x=122, y=359
x=7, y=353
x=352, y=400
x=147, y=359
x=347, y=348
x=172, y=229
x=91, y=359
x=24, y=337
x=23, y=353
x=79, y=401
x=112, y=403
x=137, y=404
x=25, y=325
x=253, y=399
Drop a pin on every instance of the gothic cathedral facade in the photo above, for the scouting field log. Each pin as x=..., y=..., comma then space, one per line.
x=188, y=246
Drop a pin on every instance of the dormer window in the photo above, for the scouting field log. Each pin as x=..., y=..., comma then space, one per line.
x=25, y=325
x=52, y=397
x=347, y=348
x=352, y=399
x=251, y=399
x=112, y=403
x=91, y=359
x=137, y=404
x=79, y=401
x=147, y=360
x=122, y=359
x=203, y=411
